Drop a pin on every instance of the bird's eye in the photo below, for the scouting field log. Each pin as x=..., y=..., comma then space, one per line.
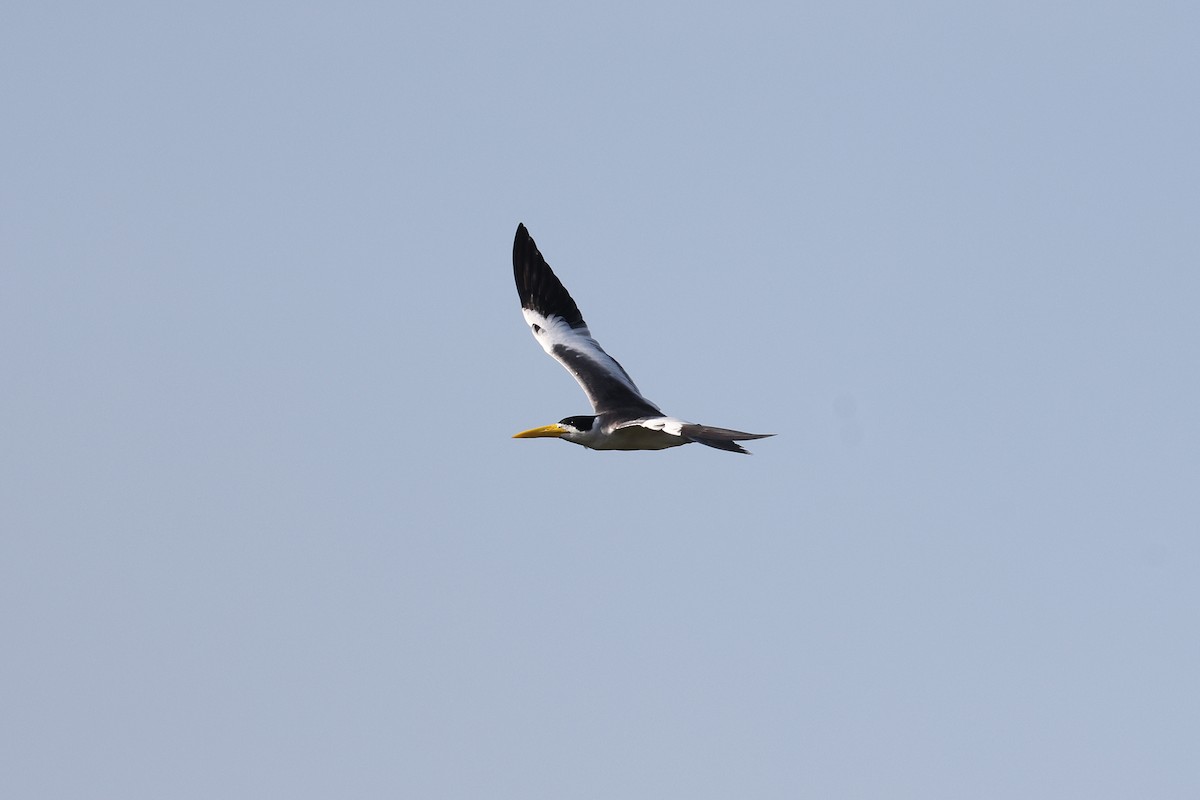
x=537, y=328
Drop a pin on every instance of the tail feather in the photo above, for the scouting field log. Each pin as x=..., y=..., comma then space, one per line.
x=720, y=438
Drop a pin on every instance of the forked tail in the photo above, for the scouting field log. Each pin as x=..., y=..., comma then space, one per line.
x=720, y=438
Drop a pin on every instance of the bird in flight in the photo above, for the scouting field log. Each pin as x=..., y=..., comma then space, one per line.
x=624, y=420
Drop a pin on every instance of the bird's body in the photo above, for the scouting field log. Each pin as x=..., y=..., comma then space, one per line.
x=618, y=433
x=623, y=419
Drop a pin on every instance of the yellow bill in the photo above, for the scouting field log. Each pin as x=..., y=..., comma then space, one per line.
x=551, y=431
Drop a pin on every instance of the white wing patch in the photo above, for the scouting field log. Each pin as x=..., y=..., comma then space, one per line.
x=668, y=425
x=554, y=331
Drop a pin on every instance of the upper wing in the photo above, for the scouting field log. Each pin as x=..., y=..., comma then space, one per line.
x=559, y=328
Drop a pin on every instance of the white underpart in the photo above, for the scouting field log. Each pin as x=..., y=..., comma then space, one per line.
x=551, y=331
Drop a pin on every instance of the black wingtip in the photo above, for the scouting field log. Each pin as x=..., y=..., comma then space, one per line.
x=521, y=242
x=537, y=285
x=720, y=438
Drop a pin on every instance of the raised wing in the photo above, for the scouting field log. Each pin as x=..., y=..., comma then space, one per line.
x=559, y=328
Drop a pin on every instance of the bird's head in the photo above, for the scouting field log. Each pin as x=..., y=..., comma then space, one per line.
x=570, y=428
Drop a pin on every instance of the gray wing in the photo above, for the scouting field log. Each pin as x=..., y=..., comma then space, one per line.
x=559, y=328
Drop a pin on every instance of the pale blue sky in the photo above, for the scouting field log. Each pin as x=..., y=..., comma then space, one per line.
x=265, y=534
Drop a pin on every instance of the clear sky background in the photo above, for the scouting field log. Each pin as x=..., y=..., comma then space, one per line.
x=265, y=534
